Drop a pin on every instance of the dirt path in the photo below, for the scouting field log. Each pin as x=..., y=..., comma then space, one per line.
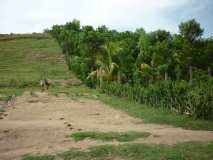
x=40, y=124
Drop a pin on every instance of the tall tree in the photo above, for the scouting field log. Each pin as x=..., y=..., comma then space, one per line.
x=191, y=32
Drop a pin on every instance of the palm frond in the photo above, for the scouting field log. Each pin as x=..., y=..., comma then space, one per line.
x=92, y=75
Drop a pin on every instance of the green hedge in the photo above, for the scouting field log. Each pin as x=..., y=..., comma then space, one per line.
x=177, y=96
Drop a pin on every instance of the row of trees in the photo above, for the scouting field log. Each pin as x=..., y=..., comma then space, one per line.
x=134, y=57
x=152, y=68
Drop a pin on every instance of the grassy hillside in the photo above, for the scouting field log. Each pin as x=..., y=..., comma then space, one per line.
x=24, y=61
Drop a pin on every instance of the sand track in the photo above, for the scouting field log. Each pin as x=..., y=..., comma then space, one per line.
x=40, y=124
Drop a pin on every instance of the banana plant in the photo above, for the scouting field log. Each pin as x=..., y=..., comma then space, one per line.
x=107, y=69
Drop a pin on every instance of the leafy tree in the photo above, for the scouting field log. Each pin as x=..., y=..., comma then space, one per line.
x=191, y=30
x=168, y=56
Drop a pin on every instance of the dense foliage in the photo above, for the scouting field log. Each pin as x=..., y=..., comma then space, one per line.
x=173, y=69
x=176, y=96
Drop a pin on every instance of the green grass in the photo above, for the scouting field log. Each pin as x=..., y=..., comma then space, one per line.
x=25, y=61
x=44, y=157
x=7, y=92
x=184, y=151
x=2, y=110
x=109, y=136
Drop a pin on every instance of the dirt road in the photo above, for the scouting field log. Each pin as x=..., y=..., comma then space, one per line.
x=39, y=123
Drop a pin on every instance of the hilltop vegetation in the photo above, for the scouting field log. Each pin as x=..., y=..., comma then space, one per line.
x=12, y=36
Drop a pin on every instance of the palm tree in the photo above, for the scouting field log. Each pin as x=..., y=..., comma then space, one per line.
x=107, y=69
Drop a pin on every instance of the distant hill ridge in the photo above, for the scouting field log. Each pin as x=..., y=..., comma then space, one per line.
x=12, y=36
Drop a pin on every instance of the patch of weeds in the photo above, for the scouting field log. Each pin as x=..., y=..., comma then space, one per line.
x=109, y=136
x=9, y=98
x=182, y=151
x=3, y=98
x=43, y=157
x=2, y=110
x=9, y=91
x=75, y=154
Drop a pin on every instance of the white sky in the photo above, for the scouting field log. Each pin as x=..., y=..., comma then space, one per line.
x=21, y=16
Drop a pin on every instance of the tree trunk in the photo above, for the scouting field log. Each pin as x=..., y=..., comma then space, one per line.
x=119, y=77
x=166, y=75
x=178, y=72
x=101, y=81
x=209, y=71
x=190, y=74
x=100, y=77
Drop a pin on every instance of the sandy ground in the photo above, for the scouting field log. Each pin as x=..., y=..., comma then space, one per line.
x=40, y=124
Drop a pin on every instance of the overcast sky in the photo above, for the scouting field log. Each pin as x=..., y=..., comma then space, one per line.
x=21, y=16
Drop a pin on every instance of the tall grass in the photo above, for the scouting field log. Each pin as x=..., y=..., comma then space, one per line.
x=177, y=96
